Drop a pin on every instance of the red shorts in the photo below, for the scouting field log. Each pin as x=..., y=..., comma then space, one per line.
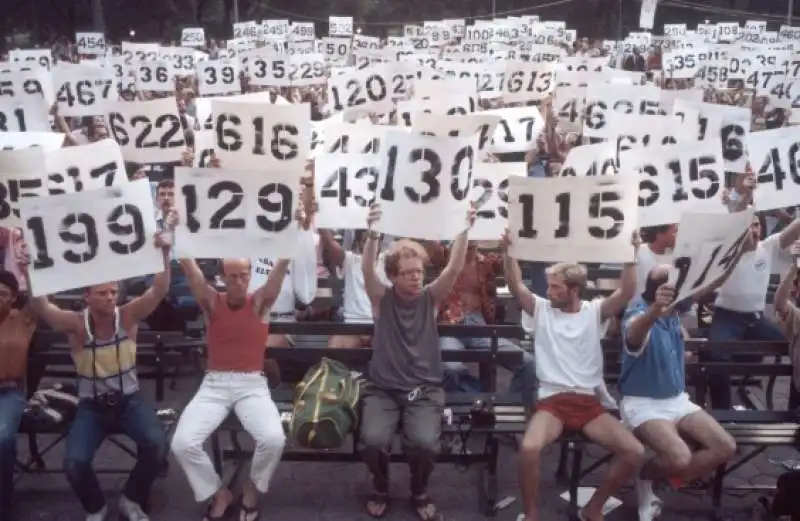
x=572, y=409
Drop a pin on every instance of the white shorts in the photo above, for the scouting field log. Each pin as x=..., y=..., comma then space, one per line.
x=636, y=410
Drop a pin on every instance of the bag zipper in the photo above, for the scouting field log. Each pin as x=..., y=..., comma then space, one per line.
x=315, y=415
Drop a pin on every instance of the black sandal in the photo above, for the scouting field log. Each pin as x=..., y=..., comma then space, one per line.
x=380, y=500
x=423, y=506
x=247, y=511
x=208, y=517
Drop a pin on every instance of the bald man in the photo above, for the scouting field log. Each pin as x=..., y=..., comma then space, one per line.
x=654, y=404
x=236, y=336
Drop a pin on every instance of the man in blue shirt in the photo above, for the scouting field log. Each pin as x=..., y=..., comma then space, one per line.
x=655, y=405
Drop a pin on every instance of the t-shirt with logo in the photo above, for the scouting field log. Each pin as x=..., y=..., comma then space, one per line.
x=745, y=290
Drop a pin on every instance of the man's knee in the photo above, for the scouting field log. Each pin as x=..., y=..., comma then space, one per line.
x=373, y=438
x=270, y=440
x=631, y=452
x=77, y=464
x=724, y=448
x=184, y=443
x=677, y=458
x=421, y=439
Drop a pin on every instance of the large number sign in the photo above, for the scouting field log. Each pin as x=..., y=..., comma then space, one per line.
x=603, y=98
x=677, y=178
x=83, y=239
x=84, y=90
x=49, y=141
x=706, y=247
x=261, y=136
x=147, y=131
x=489, y=194
x=218, y=77
x=345, y=186
x=482, y=124
x=589, y=219
x=93, y=44
x=518, y=129
x=236, y=212
x=731, y=124
x=366, y=89
x=347, y=138
x=776, y=161
x=424, y=184
x=85, y=167
x=590, y=160
x=156, y=76
x=527, y=81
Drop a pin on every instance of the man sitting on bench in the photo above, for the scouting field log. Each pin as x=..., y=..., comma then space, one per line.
x=236, y=334
x=405, y=372
x=103, y=343
x=569, y=366
x=655, y=405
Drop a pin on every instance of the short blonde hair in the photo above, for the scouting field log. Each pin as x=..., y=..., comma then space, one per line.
x=403, y=249
x=573, y=275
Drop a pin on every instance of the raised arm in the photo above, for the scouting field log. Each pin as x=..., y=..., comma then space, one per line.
x=443, y=285
x=304, y=268
x=202, y=292
x=332, y=252
x=790, y=234
x=513, y=274
x=617, y=301
x=638, y=326
x=140, y=308
x=61, y=320
x=265, y=296
x=372, y=283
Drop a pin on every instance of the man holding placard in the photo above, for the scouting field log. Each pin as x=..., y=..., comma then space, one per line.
x=236, y=335
x=569, y=365
x=740, y=303
x=405, y=372
x=103, y=343
x=653, y=381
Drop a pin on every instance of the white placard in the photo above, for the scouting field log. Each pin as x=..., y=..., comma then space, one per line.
x=677, y=179
x=518, y=129
x=236, y=213
x=340, y=26
x=424, y=185
x=42, y=57
x=527, y=81
x=730, y=123
x=345, y=186
x=705, y=248
x=339, y=137
x=84, y=90
x=88, y=238
x=203, y=148
x=193, y=37
x=49, y=141
x=337, y=50
x=218, y=77
x=139, y=52
x=156, y=76
x=590, y=160
x=302, y=31
x=775, y=157
x=85, y=168
x=583, y=219
x=647, y=15
x=635, y=131
x=26, y=114
x=21, y=176
x=260, y=136
x=490, y=196
x=147, y=131
x=92, y=44
x=368, y=89
x=603, y=98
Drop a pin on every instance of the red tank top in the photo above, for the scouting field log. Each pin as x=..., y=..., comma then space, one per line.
x=236, y=338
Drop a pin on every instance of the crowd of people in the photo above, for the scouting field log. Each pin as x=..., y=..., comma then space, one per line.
x=385, y=283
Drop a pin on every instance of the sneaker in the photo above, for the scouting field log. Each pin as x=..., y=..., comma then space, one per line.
x=131, y=511
x=649, y=503
x=98, y=516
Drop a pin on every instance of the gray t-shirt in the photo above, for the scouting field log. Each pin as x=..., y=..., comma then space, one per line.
x=405, y=344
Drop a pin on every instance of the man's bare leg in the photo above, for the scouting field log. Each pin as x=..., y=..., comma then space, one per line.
x=344, y=341
x=543, y=429
x=717, y=445
x=609, y=433
x=277, y=341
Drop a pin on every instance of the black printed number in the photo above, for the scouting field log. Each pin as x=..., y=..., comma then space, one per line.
x=142, y=127
x=82, y=229
x=281, y=146
x=600, y=206
x=429, y=175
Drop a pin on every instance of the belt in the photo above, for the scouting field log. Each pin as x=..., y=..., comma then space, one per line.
x=288, y=314
x=756, y=315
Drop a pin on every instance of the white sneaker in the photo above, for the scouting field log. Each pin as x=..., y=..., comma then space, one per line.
x=131, y=511
x=649, y=503
x=98, y=516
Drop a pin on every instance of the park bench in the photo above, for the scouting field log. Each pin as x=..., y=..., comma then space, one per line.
x=510, y=417
x=756, y=429
x=51, y=358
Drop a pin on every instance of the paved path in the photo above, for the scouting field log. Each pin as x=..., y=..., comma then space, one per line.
x=334, y=492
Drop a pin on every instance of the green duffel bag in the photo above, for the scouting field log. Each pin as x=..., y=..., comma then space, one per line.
x=325, y=406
